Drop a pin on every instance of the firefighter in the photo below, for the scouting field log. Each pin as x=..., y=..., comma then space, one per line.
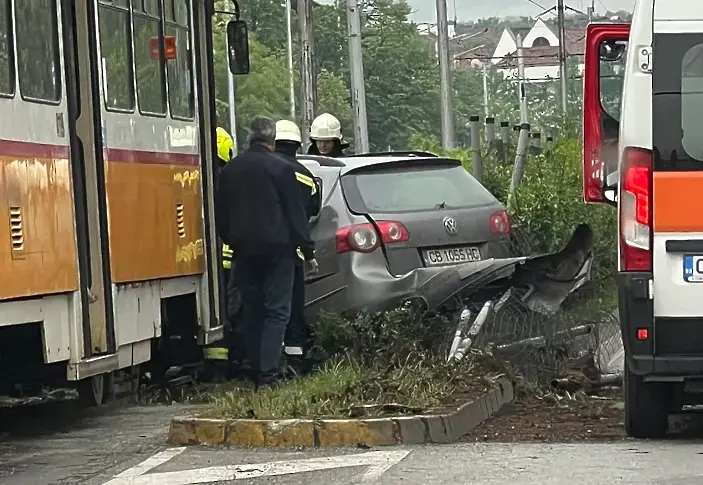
x=288, y=143
x=326, y=137
x=260, y=213
x=217, y=356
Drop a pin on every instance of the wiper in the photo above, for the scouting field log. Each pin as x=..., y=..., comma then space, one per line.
x=441, y=206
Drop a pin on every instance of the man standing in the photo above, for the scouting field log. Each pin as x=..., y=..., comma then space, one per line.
x=288, y=143
x=260, y=214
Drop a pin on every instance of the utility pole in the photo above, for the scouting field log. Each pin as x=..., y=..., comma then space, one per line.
x=307, y=70
x=445, y=81
x=356, y=68
x=521, y=80
x=291, y=80
x=563, y=75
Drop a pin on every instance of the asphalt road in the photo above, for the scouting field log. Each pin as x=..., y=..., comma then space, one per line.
x=125, y=446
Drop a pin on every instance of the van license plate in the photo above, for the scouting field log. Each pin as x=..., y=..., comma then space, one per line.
x=446, y=256
x=693, y=269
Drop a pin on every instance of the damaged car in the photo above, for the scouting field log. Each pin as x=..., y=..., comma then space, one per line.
x=392, y=220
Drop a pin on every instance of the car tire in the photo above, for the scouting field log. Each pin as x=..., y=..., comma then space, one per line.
x=647, y=406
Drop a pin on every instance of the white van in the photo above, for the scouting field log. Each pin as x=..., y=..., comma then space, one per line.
x=649, y=163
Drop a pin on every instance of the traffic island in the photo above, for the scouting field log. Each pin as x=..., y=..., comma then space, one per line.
x=446, y=426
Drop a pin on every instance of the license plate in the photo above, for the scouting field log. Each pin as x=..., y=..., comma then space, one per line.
x=693, y=269
x=442, y=257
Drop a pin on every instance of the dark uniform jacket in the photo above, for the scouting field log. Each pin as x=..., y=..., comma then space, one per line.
x=312, y=196
x=258, y=207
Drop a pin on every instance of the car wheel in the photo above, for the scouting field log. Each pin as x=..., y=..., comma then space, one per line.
x=647, y=406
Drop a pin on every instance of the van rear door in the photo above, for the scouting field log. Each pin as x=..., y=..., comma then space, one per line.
x=677, y=179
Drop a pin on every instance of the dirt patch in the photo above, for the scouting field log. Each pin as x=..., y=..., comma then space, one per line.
x=555, y=419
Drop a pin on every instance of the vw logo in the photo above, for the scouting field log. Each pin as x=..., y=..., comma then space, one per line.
x=450, y=226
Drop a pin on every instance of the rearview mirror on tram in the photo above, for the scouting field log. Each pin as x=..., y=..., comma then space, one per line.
x=238, y=46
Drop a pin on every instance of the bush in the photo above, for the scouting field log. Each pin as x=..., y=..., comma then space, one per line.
x=548, y=205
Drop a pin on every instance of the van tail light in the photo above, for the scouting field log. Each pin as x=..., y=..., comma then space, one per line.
x=363, y=238
x=636, y=210
x=500, y=224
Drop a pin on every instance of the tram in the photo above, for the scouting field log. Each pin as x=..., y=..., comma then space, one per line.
x=107, y=169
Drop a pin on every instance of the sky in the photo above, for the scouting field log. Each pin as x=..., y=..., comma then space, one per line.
x=425, y=10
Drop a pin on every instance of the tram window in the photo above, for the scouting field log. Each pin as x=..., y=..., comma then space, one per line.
x=38, y=63
x=180, y=79
x=7, y=71
x=115, y=46
x=151, y=92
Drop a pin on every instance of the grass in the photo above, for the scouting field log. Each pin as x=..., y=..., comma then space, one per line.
x=344, y=389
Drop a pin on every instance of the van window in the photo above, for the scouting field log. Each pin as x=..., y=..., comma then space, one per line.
x=612, y=78
x=677, y=104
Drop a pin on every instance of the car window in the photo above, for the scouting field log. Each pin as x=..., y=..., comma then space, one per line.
x=413, y=188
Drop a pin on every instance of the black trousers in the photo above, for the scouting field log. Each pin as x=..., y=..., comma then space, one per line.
x=266, y=288
x=297, y=334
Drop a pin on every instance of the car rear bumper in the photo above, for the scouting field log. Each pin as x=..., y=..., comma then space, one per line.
x=667, y=355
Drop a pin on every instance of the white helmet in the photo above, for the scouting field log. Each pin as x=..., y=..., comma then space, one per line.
x=288, y=131
x=326, y=127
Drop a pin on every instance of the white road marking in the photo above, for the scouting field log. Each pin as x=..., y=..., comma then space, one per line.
x=378, y=461
x=151, y=463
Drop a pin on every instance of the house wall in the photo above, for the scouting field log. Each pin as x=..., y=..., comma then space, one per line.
x=538, y=73
x=506, y=45
x=540, y=29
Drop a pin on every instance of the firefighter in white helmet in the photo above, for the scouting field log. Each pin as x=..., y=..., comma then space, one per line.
x=288, y=143
x=326, y=137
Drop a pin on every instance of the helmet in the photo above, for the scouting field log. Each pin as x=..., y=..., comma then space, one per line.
x=326, y=127
x=225, y=145
x=288, y=131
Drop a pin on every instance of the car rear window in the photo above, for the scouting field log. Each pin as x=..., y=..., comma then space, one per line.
x=413, y=188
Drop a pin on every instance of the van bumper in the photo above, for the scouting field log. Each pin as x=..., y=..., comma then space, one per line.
x=636, y=311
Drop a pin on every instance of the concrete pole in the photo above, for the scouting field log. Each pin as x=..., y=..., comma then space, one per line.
x=490, y=130
x=291, y=79
x=476, y=147
x=563, y=75
x=445, y=80
x=307, y=70
x=521, y=80
x=485, y=90
x=356, y=68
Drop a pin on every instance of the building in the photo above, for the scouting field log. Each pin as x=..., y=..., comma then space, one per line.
x=540, y=51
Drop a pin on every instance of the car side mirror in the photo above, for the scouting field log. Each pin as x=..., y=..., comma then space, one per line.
x=238, y=46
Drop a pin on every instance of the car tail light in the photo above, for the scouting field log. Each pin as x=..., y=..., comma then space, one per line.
x=363, y=238
x=500, y=224
x=635, y=210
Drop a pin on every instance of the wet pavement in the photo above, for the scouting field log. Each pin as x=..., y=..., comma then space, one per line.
x=124, y=445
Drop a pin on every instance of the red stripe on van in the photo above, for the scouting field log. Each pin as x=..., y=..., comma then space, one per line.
x=677, y=202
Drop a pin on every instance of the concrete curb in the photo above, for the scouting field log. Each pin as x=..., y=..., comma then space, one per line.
x=405, y=430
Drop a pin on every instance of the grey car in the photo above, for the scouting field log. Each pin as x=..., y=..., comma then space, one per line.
x=386, y=216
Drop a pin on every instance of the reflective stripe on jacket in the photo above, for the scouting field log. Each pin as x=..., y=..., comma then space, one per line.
x=227, y=256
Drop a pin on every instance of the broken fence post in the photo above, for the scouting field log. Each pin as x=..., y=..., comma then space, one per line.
x=536, y=143
x=490, y=132
x=550, y=144
x=476, y=148
x=505, y=140
x=520, y=155
x=459, y=334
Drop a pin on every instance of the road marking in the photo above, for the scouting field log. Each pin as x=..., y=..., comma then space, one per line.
x=378, y=462
x=151, y=463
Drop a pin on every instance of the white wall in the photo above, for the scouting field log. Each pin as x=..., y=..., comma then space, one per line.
x=540, y=29
x=506, y=45
x=538, y=73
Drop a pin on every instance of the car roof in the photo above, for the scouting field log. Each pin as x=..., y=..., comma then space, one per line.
x=348, y=164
